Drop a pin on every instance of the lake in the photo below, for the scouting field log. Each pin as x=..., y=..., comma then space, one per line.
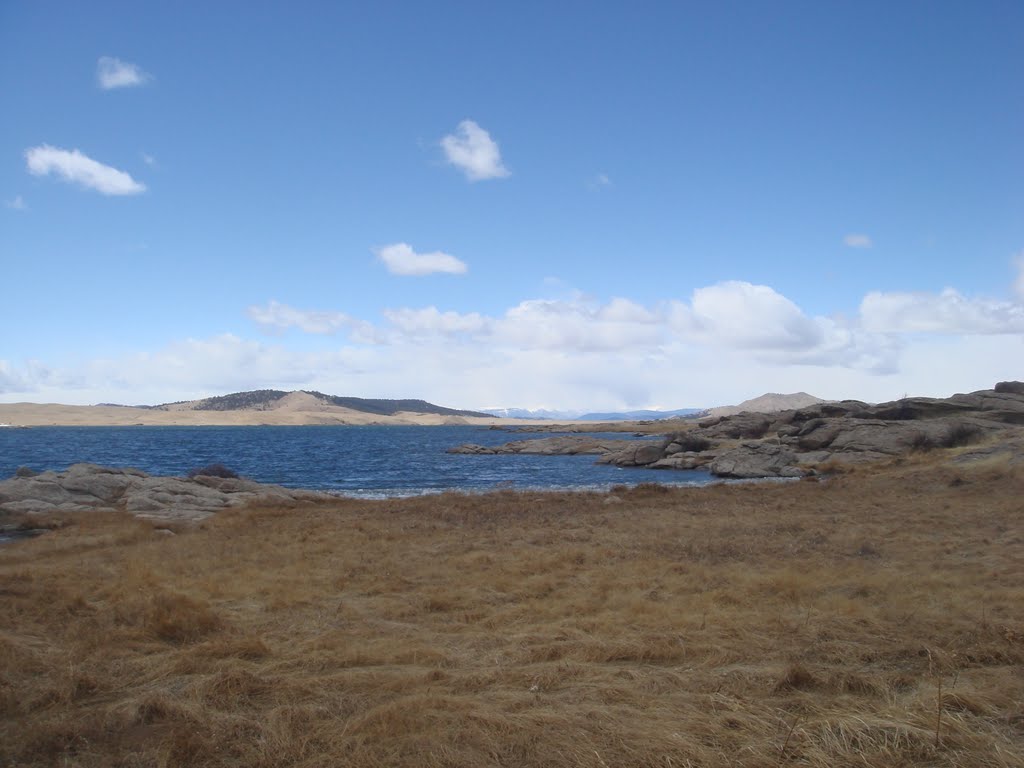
x=362, y=461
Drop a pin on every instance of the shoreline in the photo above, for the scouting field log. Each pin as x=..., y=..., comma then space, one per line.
x=18, y=415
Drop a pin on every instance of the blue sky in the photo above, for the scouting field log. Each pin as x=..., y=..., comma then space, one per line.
x=535, y=204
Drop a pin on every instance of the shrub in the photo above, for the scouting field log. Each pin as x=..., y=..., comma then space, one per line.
x=181, y=619
x=962, y=435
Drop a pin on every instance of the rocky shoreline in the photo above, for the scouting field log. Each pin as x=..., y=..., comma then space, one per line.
x=984, y=425
x=812, y=440
x=89, y=487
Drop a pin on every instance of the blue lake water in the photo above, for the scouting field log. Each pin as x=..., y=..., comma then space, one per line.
x=373, y=462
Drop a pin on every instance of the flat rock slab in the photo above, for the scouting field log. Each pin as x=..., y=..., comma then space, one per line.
x=757, y=460
x=87, y=487
x=561, y=445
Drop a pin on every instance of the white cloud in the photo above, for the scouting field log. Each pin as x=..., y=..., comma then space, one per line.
x=599, y=181
x=725, y=343
x=472, y=150
x=430, y=321
x=401, y=259
x=948, y=312
x=746, y=316
x=857, y=241
x=114, y=73
x=73, y=166
x=578, y=325
x=277, y=316
x=773, y=329
x=148, y=159
x=17, y=204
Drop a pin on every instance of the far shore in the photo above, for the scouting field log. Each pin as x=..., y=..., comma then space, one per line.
x=56, y=415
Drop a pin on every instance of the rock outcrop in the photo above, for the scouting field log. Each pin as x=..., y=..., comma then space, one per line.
x=754, y=460
x=561, y=445
x=793, y=443
x=88, y=487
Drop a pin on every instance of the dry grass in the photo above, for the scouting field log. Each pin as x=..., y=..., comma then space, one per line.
x=874, y=620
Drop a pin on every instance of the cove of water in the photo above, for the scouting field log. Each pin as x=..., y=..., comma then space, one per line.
x=370, y=462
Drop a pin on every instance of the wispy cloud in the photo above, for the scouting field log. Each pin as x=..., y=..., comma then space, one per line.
x=401, y=259
x=17, y=204
x=472, y=150
x=77, y=168
x=855, y=240
x=277, y=316
x=430, y=321
x=600, y=181
x=114, y=73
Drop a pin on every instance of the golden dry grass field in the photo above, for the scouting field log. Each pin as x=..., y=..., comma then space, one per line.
x=876, y=619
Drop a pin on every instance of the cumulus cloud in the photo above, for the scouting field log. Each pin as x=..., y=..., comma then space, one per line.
x=401, y=259
x=722, y=344
x=276, y=316
x=857, y=241
x=472, y=150
x=946, y=312
x=77, y=168
x=114, y=73
x=17, y=204
x=746, y=316
x=732, y=315
x=769, y=326
x=578, y=325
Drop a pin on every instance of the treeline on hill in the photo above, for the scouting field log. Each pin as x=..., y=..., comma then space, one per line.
x=383, y=407
x=259, y=398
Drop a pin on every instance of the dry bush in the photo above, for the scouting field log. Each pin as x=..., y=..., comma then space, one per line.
x=179, y=618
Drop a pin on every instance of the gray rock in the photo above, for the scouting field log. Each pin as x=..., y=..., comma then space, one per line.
x=103, y=484
x=39, y=488
x=87, y=487
x=754, y=460
x=740, y=426
x=635, y=454
x=818, y=433
x=1010, y=387
x=472, y=449
x=28, y=507
x=679, y=461
x=560, y=445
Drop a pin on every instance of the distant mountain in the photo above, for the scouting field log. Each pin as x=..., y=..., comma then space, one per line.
x=767, y=403
x=523, y=413
x=269, y=399
x=640, y=415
